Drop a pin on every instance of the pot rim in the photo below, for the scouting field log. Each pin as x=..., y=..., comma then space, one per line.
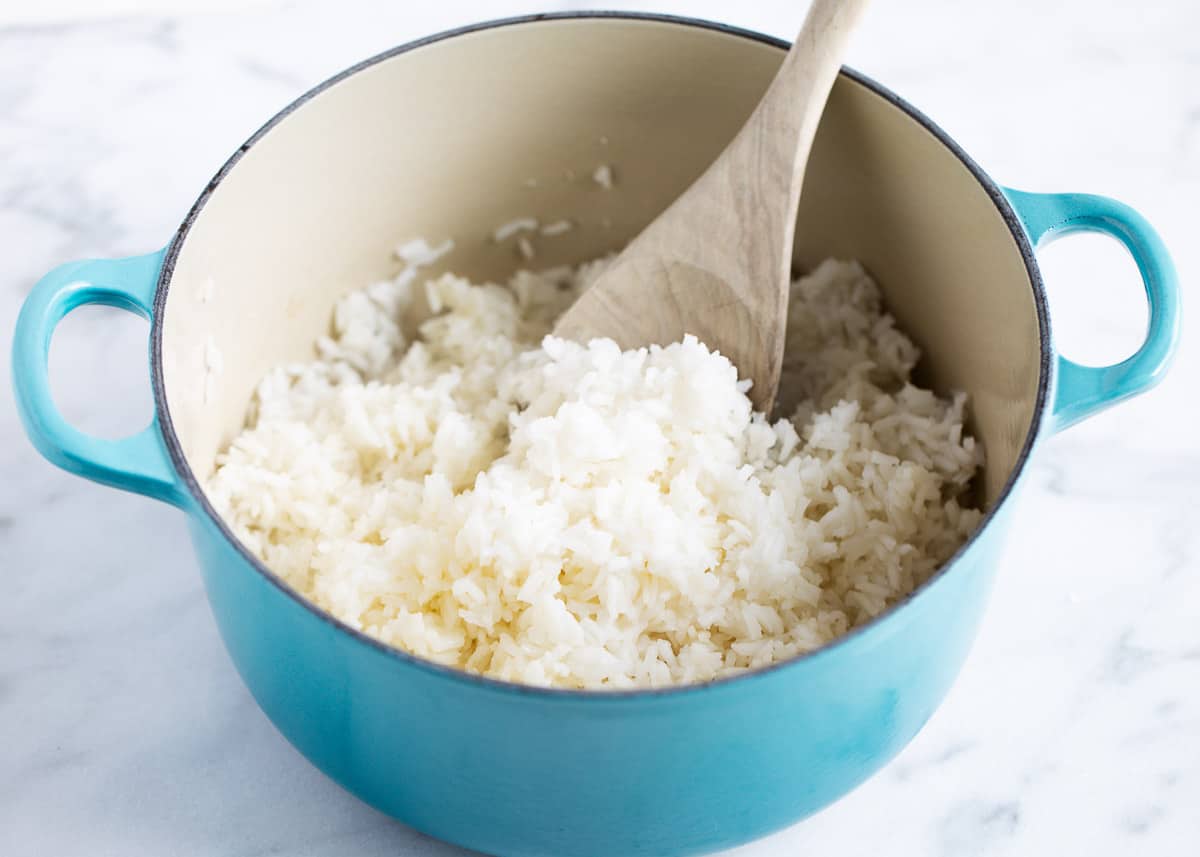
x=204, y=508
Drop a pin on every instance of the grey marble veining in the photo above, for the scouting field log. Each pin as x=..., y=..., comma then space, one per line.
x=1075, y=726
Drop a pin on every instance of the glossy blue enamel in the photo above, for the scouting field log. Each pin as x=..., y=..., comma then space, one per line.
x=1083, y=390
x=139, y=463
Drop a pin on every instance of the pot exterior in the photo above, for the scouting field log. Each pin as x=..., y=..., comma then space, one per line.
x=516, y=772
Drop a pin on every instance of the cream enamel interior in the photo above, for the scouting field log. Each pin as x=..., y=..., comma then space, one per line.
x=443, y=140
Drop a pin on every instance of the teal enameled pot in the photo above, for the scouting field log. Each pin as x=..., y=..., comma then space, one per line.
x=450, y=137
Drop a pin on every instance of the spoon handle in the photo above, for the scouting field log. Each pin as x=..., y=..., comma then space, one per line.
x=780, y=132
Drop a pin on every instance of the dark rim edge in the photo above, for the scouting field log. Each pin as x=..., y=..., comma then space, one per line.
x=196, y=492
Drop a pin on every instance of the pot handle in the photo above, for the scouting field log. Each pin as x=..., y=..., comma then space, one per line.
x=137, y=463
x=1084, y=390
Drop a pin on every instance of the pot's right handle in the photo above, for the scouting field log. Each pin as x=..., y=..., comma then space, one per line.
x=1084, y=390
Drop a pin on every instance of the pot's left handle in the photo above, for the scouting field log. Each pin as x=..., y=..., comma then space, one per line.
x=137, y=463
x=1081, y=391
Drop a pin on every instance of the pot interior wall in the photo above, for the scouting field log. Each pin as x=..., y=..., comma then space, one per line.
x=456, y=137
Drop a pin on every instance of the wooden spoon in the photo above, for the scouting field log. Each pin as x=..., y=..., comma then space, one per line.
x=717, y=262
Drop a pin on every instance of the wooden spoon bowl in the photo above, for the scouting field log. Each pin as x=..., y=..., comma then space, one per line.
x=717, y=262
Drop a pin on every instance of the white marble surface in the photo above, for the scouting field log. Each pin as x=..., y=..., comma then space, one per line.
x=1075, y=727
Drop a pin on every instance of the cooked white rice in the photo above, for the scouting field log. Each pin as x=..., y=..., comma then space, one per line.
x=480, y=494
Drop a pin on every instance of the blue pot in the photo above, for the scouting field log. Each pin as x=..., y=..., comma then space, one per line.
x=391, y=149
